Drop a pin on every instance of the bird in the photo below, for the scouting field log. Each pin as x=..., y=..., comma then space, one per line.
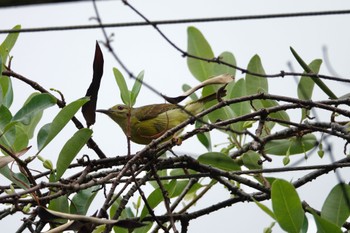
x=146, y=123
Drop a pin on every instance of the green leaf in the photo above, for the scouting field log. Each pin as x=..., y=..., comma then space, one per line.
x=237, y=90
x=318, y=81
x=305, y=226
x=126, y=213
x=156, y=197
x=81, y=201
x=144, y=229
x=71, y=149
x=256, y=84
x=251, y=160
x=204, y=138
x=264, y=208
x=306, y=85
x=1, y=64
x=5, y=117
x=7, y=131
x=226, y=112
x=219, y=160
x=229, y=58
x=153, y=200
x=325, y=226
x=8, y=44
x=6, y=91
x=35, y=105
x=29, y=129
x=180, y=186
x=293, y=145
x=60, y=204
x=286, y=206
x=197, y=45
x=17, y=178
x=136, y=88
x=21, y=140
x=281, y=115
x=50, y=131
x=336, y=208
x=124, y=92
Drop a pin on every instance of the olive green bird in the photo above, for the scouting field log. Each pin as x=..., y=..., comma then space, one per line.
x=149, y=122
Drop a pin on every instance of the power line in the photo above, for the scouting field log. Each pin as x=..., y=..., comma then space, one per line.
x=179, y=21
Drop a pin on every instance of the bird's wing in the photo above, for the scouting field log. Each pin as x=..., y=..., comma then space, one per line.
x=151, y=111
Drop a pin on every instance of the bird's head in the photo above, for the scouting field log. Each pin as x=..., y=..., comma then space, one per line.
x=118, y=113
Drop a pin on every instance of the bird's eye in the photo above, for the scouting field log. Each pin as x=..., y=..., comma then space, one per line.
x=120, y=108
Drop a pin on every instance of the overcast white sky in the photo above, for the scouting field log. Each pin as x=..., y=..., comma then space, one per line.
x=63, y=60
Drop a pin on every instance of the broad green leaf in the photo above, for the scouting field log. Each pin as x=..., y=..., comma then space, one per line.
x=49, y=131
x=81, y=201
x=226, y=112
x=224, y=69
x=35, y=105
x=126, y=213
x=318, y=81
x=204, y=138
x=336, y=208
x=153, y=199
x=179, y=172
x=306, y=85
x=7, y=129
x=160, y=173
x=43, y=136
x=136, y=88
x=282, y=115
x=266, y=209
x=325, y=226
x=144, y=229
x=219, y=160
x=237, y=90
x=286, y=206
x=60, y=204
x=124, y=92
x=256, y=84
x=5, y=117
x=305, y=226
x=197, y=45
x=293, y=145
x=251, y=160
x=21, y=140
x=71, y=149
x=179, y=188
x=6, y=91
x=16, y=178
x=29, y=129
x=156, y=197
x=8, y=44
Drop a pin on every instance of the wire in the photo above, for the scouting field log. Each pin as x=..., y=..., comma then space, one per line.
x=178, y=21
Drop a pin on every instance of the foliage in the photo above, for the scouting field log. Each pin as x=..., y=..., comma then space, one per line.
x=258, y=127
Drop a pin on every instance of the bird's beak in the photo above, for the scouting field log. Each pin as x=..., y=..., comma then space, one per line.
x=103, y=111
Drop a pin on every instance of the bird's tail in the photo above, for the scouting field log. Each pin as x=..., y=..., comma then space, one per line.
x=197, y=106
